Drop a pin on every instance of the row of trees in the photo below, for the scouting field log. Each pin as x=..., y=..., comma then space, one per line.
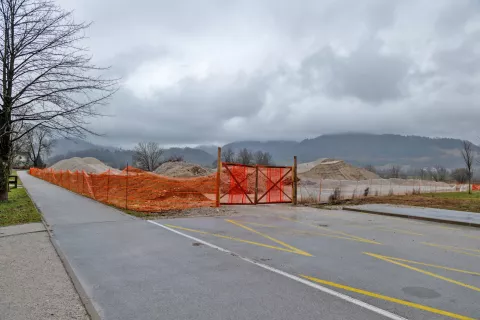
x=437, y=173
x=149, y=156
x=247, y=157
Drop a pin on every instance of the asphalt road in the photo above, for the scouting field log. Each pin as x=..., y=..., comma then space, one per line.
x=133, y=269
x=391, y=263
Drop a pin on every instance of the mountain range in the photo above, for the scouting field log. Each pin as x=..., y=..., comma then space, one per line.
x=356, y=148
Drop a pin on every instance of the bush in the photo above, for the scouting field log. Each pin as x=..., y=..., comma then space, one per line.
x=366, y=191
x=336, y=195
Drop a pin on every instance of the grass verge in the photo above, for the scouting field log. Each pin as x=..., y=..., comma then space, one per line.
x=18, y=209
x=461, y=201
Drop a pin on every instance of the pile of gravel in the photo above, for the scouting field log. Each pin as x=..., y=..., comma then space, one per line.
x=89, y=165
x=183, y=169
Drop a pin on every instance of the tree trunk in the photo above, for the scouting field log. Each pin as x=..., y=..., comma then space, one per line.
x=4, y=167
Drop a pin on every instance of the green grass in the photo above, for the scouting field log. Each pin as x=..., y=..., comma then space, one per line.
x=461, y=201
x=18, y=209
x=454, y=195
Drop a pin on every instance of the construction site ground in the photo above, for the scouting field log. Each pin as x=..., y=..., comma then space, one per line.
x=263, y=262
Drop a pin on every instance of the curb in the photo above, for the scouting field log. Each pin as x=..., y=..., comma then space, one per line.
x=86, y=301
x=469, y=224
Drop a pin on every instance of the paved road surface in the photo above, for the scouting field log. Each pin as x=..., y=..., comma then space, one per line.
x=132, y=269
x=461, y=217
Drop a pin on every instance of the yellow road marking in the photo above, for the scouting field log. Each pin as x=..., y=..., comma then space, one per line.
x=268, y=237
x=305, y=232
x=240, y=240
x=455, y=249
x=333, y=231
x=390, y=299
x=423, y=271
x=451, y=247
x=428, y=265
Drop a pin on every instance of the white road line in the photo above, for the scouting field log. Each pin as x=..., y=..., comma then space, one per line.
x=342, y=296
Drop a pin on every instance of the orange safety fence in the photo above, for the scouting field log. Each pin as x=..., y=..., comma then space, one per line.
x=475, y=187
x=135, y=189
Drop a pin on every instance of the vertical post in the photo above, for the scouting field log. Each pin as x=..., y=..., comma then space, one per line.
x=108, y=183
x=217, y=183
x=126, y=190
x=320, y=192
x=83, y=182
x=294, y=186
x=256, y=184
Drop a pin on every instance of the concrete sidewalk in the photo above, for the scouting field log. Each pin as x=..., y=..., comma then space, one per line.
x=33, y=281
x=126, y=268
x=429, y=214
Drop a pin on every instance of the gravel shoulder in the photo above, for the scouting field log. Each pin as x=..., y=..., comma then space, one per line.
x=33, y=281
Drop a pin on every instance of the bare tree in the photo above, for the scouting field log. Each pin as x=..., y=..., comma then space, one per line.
x=228, y=155
x=441, y=173
x=460, y=175
x=468, y=158
x=245, y=156
x=38, y=145
x=395, y=171
x=263, y=158
x=147, y=155
x=422, y=173
x=48, y=79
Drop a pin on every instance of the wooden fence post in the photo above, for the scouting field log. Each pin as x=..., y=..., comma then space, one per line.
x=126, y=190
x=108, y=183
x=256, y=184
x=294, y=186
x=217, y=183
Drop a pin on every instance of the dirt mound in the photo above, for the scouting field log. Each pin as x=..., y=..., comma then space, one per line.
x=335, y=170
x=183, y=169
x=89, y=165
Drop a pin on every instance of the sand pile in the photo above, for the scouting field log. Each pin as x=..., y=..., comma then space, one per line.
x=89, y=165
x=183, y=169
x=335, y=170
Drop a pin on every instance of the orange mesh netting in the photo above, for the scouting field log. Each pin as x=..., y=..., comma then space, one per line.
x=238, y=183
x=135, y=189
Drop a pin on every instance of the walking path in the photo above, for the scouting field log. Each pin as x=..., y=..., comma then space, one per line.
x=431, y=214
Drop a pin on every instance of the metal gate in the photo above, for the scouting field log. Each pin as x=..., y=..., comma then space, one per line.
x=248, y=184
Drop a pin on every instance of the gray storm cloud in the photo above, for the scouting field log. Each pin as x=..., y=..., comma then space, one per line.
x=196, y=72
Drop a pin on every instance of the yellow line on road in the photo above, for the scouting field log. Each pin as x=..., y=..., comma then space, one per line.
x=268, y=237
x=305, y=232
x=428, y=265
x=240, y=240
x=333, y=231
x=390, y=299
x=454, y=249
x=424, y=271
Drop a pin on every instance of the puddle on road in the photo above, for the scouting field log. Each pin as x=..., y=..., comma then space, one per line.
x=421, y=292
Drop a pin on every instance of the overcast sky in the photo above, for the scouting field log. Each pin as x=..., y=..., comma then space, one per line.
x=200, y=72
